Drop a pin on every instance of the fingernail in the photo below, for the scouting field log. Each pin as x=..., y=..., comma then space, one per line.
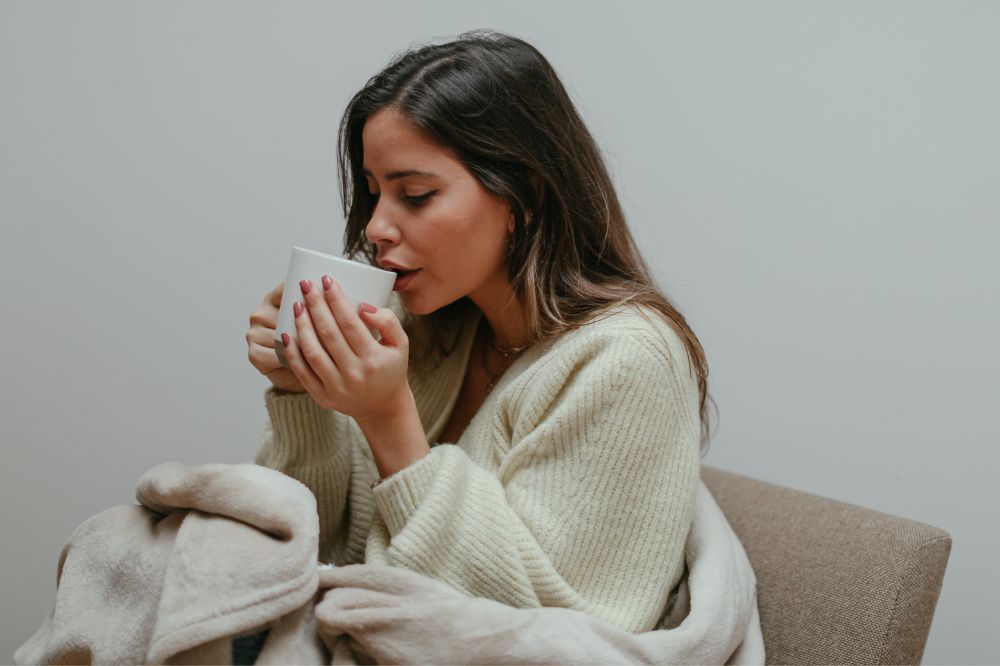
x=327, y=282
x=305, y=286
x=297, y=308
x=286, y=339
x=366, y=307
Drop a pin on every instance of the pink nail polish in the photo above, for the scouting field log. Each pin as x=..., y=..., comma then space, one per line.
x=305, y=286
x=367, y=307
x=286, y=339
x=327, y=282
x=297, y=308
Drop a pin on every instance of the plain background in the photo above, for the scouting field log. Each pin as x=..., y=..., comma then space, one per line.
x=815, y=185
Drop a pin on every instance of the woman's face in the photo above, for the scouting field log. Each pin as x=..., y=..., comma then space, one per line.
x=432, y=214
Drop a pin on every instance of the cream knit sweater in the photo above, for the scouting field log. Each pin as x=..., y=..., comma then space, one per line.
x=573, y=485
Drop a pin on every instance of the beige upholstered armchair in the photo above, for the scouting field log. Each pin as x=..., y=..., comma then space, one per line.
x=836, y=583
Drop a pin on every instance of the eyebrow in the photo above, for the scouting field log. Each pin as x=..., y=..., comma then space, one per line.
x=396, y=175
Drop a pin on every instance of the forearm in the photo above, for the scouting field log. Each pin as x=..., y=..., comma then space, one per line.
x=396, y=436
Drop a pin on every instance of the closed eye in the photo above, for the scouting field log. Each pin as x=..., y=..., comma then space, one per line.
x=413, y=200
x=419, y=199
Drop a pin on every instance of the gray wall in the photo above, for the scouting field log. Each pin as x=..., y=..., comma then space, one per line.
x=814, y=183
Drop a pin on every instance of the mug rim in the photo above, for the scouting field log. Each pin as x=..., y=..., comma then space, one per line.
x=345, y=260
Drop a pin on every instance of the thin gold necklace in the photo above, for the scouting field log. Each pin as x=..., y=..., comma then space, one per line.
x=507, y=353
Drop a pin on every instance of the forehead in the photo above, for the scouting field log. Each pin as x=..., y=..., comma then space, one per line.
x=391, y=141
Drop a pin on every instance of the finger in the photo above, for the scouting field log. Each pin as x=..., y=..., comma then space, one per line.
x=306, y=358
x=265, y=317
x=263, y=358
x=344, y=609
x=274, y=298
x=385, y=321
x=328, y=328
x=311, y=347
x=267, y=339
x=260, y=335
x=263, y=325
x=281, y=376
x=352, y=328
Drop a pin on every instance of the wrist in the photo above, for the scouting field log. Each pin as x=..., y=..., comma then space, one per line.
x=395, y=435
x=388, y=412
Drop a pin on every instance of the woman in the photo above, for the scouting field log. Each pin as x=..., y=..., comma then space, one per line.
x=527, y=426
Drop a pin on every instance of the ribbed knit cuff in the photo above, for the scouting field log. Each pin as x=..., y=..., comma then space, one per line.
x=399, y=496
x=301, y=427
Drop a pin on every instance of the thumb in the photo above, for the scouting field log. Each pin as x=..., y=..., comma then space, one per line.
x=385, y=321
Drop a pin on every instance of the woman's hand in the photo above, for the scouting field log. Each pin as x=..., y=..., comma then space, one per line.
x=338, y=360
x=260, y=340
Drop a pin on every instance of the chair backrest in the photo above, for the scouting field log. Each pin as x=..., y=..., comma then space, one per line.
x=836, y=583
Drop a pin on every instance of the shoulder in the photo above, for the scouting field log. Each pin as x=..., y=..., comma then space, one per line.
x=628, y=335
x=622, y=365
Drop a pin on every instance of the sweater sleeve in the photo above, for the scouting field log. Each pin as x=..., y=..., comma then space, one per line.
x=319, y=448
x=594, y=496
x=328, y=453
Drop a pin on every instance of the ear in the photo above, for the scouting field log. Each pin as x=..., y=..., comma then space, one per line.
x=510, y=220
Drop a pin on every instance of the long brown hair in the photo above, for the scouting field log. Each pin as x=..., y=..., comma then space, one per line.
x=497, y=102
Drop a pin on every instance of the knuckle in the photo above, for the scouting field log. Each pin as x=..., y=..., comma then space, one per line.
x=312, y=355
x=351, y=326
x=326, y=330
x=254, y=358
x=261, y=317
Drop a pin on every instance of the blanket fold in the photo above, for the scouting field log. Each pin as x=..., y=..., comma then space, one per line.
x=218, y=551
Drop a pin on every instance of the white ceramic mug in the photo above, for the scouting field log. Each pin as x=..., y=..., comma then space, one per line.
x=360, y=282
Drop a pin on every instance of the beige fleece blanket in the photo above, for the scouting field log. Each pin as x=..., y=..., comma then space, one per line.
x=218, y=551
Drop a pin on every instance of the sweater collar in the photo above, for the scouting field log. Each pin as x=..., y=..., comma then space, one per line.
x=436, y=393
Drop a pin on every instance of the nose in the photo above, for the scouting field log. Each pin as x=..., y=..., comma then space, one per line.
x=380, y=231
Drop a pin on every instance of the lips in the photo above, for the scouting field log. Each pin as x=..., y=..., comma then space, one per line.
x=404, y=278
x=393, y=266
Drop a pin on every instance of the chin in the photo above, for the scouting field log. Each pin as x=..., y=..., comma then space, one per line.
x=414, y=305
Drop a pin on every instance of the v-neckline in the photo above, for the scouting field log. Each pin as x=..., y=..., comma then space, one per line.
x=471, y=326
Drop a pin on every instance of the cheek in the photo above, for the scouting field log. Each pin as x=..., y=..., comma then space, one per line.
x=468, y=238
x=478, y=250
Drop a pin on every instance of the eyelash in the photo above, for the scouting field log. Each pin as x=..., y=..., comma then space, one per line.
x=419, y=200
x=412, y=200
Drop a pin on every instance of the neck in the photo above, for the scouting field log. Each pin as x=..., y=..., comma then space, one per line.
x=508, y=323
x=505, y=332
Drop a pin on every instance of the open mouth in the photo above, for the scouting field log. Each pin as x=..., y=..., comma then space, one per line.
x=403, y=278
